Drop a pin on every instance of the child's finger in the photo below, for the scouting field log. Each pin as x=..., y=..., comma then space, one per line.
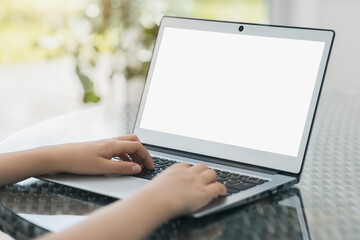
x=208, y=176
x=147, y=162
x=199, y=168
x=125, y=157
x=132, y=137
x=216, y=189
x=180, y=165
x=124, y=168
x=136, y=151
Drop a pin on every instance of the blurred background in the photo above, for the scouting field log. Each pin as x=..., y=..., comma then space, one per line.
x=58, y=56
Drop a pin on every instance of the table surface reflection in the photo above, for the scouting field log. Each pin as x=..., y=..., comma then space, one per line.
x=324, y=205
x=54, y=207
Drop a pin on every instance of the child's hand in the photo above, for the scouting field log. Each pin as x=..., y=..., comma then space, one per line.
x=95, y=157
x=179, y=190
x=186, y=189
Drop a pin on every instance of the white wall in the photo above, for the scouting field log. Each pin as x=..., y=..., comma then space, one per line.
x=343, y=16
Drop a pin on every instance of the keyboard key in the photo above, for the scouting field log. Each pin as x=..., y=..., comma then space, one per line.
x=220, y=179
x=232, y=190
x=145, y=170
x=224, y=175
x=235, y=177
x=231, y=181
x=159, y=165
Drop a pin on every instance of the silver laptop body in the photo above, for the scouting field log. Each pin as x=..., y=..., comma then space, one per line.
x=239, y=97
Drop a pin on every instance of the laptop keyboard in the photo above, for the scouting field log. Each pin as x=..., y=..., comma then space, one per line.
x=234, y=182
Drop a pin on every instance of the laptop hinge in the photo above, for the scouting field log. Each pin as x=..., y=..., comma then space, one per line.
x=211, y=159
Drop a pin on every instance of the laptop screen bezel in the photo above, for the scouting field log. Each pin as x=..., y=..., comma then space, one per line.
x=233, y=153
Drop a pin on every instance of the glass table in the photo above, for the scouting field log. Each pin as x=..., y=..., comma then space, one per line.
x=324, y=205
x=34, y=207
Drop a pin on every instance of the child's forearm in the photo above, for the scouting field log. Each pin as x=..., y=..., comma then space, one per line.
x=134, y=218
x=18, y=166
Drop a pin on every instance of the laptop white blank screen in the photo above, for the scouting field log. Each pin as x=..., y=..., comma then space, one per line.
x=242, y=90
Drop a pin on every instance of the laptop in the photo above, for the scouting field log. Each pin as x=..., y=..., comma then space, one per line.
x=239, y=97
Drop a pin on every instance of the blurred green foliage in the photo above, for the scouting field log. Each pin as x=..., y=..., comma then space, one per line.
x=86, y=30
